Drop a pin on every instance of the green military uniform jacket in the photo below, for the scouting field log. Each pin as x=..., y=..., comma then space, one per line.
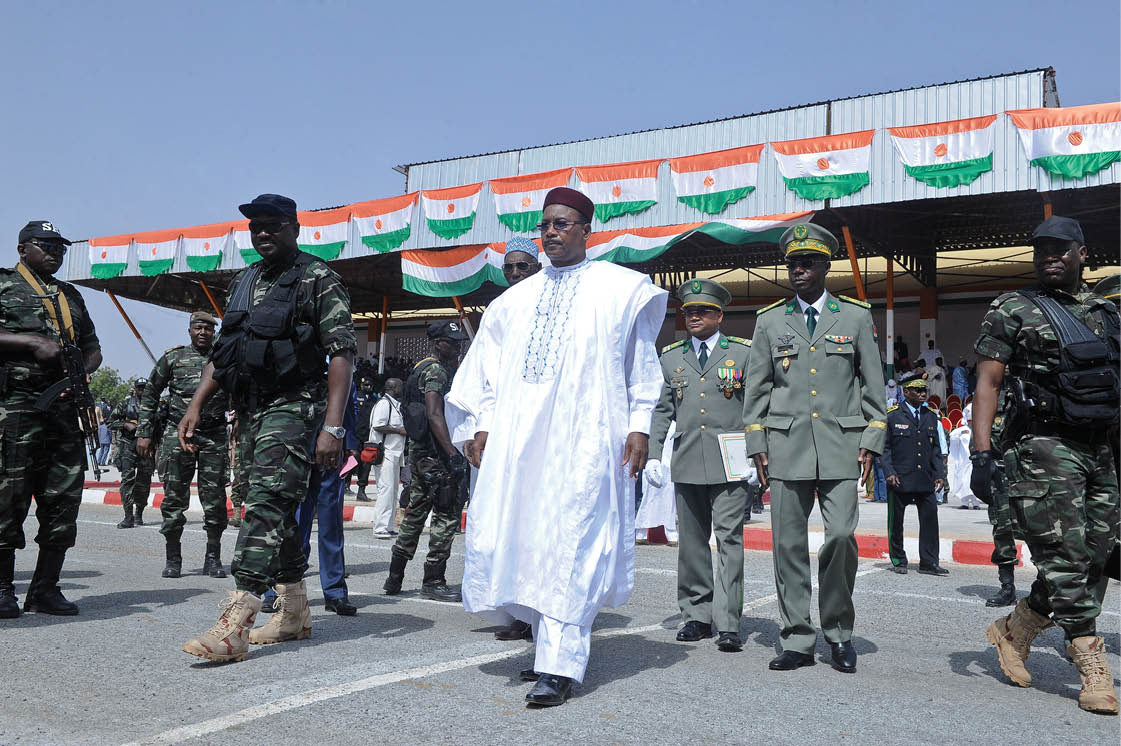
x=811, y=402
x=179, y=370
x=705, y=401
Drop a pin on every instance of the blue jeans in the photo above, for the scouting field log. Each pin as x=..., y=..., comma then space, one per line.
x=879, y=488
x=103, y=455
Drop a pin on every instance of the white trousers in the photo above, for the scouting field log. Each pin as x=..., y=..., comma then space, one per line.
x=387, y=476
x=562, y=648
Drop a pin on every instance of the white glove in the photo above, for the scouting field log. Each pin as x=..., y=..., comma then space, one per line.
x=653, y=472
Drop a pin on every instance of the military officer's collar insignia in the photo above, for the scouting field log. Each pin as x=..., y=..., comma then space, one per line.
x=800, y=231
x=832, y=306
x=790, y=306
x=785, y=339
x=723, y=343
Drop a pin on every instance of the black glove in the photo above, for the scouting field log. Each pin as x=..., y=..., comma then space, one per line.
x=458, y=466
x=981, y=480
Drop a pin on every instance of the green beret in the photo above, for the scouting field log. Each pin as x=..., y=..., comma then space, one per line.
x=1109, y=288
x=204, y=317
x=807, y=238
x=704, y=292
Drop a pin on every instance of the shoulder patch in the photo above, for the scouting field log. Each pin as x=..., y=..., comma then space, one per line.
x=675, y=345
x=854, y=301
x=739, y=340
x=761, y=311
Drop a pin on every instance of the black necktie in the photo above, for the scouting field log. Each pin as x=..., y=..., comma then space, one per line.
x=703, y=357
x=811, y=321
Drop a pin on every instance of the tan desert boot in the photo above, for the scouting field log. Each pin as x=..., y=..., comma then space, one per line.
x=1097, y=695
x=1013, y=636
x=228, y=639
x=292, y=620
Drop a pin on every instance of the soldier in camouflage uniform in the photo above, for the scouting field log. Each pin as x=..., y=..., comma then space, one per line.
x=1062, y=484
x=41, y=453
x=436, y=467
x=286, y=316
x=136, y=470
x=179, y=370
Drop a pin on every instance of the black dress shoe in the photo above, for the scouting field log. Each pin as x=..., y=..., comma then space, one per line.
x=341, y=606
x=843, y=657
x=694, y=631
x=933, y=570
x=899, y=569
x=789, y=660
x=528, y=674
x=518, y=630
x=729, y=642
x=550, y=690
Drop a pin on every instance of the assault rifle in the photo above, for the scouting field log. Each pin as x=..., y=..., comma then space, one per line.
x=74, y=382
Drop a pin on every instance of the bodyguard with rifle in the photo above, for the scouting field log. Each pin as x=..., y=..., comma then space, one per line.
x=48, y=346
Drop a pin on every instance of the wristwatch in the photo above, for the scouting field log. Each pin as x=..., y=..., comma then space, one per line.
x=338, y=433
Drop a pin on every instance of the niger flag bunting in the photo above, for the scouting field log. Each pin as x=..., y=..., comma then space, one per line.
x=204, y=245
x=620, y=188
x=108, y=256
x=385, y=224
x=712, y=181
x=946, y=154
x=1073, y=141
x=519, y=200
x=451, y=212
x=819, y=168
x=324, y=233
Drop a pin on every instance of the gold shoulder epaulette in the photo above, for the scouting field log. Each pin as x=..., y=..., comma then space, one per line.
x=761, y=311
x=740, y=340
x=854, y=301
x=675, y=345
x=893, y=407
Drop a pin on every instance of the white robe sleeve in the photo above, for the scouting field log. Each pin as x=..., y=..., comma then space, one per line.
x=469, y=406
x=644, y=374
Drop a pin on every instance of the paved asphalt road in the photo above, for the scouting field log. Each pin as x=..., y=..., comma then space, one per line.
x=411, y=671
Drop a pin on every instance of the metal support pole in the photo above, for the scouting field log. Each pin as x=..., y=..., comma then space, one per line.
x=855, y=265
x=889, y=322
x=1047, y=209
x=463, y=318
x=381, y=336
x=210, y=297
x=128, y=321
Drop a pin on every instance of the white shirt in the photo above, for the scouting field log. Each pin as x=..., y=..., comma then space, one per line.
x=710, y=344
x=387, y=412
x=818, y=305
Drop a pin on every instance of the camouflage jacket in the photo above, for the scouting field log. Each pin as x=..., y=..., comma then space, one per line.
x=1015, y=331
x=438, y=379
x=179, y=370
x=21, y=312
x=321, y=301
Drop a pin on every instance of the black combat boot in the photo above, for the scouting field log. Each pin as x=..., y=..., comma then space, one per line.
x=43, y=595
x=173, y=567
x=127, y=522
x=435, y=587
x=396, y=575
x=1007, y=594
x=9, y=607
x=139, y=519
x=212, y=562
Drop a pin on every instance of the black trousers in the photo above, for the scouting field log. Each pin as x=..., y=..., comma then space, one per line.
x=927, y=504
x=363, y=473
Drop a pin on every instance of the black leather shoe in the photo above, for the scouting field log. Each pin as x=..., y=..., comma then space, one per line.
x=899, y=569
x=341, y=606
x=49, y=601
x=550, y=690
x=729, y=642
x=694, y=631
x=844, y=656
x=933, y=570
x=790, y=660
x=518, y=630
x=440, y=592
x=528, y=674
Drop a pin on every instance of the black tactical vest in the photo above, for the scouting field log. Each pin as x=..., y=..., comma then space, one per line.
x=264, y=350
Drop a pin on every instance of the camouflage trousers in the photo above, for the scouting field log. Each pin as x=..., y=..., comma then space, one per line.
x=178, y=467
x=42, y=455
x=1000, y=518
x=136, y=474
x=429, y=476
x=277, y=445
x=1063, y=497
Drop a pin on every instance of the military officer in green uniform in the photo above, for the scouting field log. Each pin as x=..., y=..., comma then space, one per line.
x=179, y=371
x=814, y=411
x=703, y=392
x=136, y=470
x=1055, y=345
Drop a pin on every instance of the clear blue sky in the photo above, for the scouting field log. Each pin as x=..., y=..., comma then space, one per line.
x=126, y=116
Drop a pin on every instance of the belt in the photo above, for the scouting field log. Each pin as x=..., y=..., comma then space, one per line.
x=1079, y=434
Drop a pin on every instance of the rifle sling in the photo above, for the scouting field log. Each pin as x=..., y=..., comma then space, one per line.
x=66, y=328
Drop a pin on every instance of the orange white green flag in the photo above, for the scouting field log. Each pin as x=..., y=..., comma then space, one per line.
x=1072, y=141
x=825, y=167
x=446, y=272
x=712, y=181
x=204, y=245
x=451, y=212
x=243, y=243
x=324, y=233
x=155, y=251
x=519, y=200
x=946, y=154
x=620, y=188
x=385, y=224
x=108, y=256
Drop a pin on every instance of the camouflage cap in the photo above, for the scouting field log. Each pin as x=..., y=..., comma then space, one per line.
x=807, y=238
x=204, y=317
x=701, y=291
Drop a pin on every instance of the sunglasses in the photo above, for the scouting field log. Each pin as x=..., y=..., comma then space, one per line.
x=272, y=227
x=519, y=266
x=806, y=263
x=561, y=225
x=50, y=248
